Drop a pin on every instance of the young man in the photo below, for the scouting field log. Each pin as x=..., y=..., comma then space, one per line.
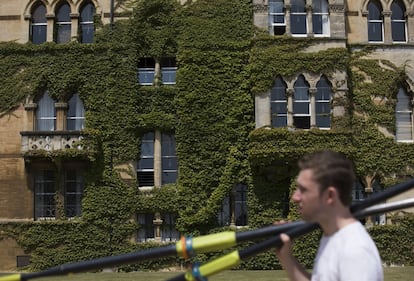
x=323, y=195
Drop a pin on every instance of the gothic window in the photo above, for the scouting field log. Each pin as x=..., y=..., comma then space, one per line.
x=38, y=24
x=398, y=23
x=63, y=24
x=146, y=71
x=86, y=24
x=323, y=103
x=234, y=207
x=146, y=230
x=73, y=193
x=168, y=71
x=44, y=193
x=320, y=17
x=145, y=170
x=277, y=17
x=298, y=20
x=278, y=103
x=375, y=22
x=151, y=163
x=75, y=119
x=45, y=113
x=404, y=117
x=168, y=159
x=168, y=231
x=301, y=104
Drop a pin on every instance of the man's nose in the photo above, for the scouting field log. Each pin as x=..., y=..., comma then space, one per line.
x=296, y=196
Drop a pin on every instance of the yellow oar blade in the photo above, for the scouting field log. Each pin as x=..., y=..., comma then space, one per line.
x=11, y=277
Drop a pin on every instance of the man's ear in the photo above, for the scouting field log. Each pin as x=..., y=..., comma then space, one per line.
x=331, y=195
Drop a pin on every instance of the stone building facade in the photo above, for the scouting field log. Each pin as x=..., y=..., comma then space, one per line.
x=387, y=26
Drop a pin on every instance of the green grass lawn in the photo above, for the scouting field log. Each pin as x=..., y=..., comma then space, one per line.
x=391, y=274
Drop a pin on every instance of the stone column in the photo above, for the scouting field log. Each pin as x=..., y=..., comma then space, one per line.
x=157, y=226
x=410, y=27
x=287, y=19
x=50, y=27
x=74, y=26
x=309, y=22
x=387, y=27
x=30, y=111
x=61, y=108
x=157, y=73
x=290, y=92
x=312, y=94
x=157, y=159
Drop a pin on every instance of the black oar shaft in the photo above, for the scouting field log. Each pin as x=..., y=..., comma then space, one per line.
x=103, y=262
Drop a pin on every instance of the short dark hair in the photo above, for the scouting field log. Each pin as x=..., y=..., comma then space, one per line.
x=331, y=168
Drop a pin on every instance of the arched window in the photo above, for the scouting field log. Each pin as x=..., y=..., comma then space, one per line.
x=398, y=28
x=404, y=117
x=45, y=113
x=75, y=119
x=277, y=17
x=323, y=103
x=301, y=104
x=298, y=22
x=38, y=24
x=169, y=163
x=278, y=103
x=320, y=17
x=63, y=24
x=375, y=22
x=86, y=25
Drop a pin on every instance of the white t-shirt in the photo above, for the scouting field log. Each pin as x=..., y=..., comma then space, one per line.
x=348, y=255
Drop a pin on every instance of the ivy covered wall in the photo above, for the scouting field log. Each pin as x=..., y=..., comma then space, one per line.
x=223, y=62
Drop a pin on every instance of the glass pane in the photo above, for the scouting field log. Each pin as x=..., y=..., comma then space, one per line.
x=298, y=24
x=146, y=76
x=322, y=108
x=146, y=163
x=279, y=30
x=145, y=178
x=168, y=75
x=38, y=34
x=276, y=6
x=301, y=122
x=398, y=31
x=279, y=19
x=63, y=33
x=76, y=114
x=297, y=6
x=279, y=121
x=301, y=108
x=375, y=31
x=279, y=107
x=87, y=13
x=63, y=13
x=169, y=177
x=88, y=31
x=39, y=14
x=323, y=121
x=397, y=11
x=317, y=24
x=374, y=11
x=403, y=101
x=301, y=94
x=45, y=114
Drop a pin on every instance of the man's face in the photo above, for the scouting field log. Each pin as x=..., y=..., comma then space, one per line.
x=307, y=196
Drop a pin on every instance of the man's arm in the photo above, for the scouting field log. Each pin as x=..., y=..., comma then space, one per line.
x=295, y=271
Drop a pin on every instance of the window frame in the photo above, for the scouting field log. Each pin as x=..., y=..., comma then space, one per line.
x=324, y=5
x=62, y=26
x=407, y=111
x=299, y=15
x=371, y=22
x=403, y=10
x=274, y=12
x=296, y=115
x=33, y=27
